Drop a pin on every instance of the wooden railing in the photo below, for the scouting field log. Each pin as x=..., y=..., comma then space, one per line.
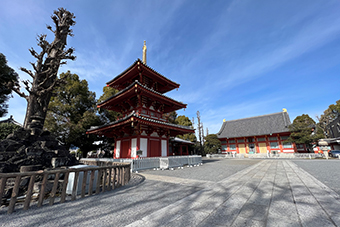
x=106, y=178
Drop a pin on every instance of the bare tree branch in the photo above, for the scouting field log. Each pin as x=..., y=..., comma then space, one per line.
x=16, y=89
x=50, y=28
x=29, y=72
x=33, y=53
x=27, y=85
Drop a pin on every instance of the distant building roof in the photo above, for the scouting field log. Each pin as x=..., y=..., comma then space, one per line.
x=11, y=120
x=255, y=126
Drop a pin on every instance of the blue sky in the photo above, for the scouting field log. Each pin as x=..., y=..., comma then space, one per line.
x=233, y=59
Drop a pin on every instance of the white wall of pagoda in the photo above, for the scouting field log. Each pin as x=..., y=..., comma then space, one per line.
x=151, y=146
x=164, y=148
x=133, y=147
x=144, y=147
x=117, y=149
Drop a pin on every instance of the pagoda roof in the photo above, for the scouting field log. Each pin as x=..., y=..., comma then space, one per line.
x=11, y=120
x=133, y=71
x=134, y=116
x=131, y=89
x=255, y=126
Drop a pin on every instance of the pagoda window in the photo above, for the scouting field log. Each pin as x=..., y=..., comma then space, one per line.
x=240, y=141
x=273, y=138
x=261, y=139
x=284, y=137
x=232, y=147
x=224, y=147
x=231, y=141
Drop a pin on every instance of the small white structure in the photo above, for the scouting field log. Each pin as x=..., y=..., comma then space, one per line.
x=71, y=177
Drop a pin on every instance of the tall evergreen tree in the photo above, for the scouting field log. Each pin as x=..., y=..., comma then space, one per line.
x=171, y=117
x=108, y=115
x=8, y=77
x=72, y=110
x=185, y=121
x=6, y=129
x=212, y=144
x=304, y=131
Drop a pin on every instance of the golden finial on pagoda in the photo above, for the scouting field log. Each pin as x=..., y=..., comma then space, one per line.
x=144, y=52
x=284, y=110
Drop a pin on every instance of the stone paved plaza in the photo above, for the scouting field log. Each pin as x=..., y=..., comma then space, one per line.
x=219, y=193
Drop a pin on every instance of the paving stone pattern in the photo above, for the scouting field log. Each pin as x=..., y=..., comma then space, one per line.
x=255, y=193
x=270, y=193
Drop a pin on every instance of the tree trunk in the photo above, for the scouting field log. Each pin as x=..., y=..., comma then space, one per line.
x=45, y=76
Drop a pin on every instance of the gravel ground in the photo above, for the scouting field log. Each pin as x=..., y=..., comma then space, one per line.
x=326, y=171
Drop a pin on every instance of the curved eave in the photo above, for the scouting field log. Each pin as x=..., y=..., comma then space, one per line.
x=125, y=72
x=133, y=117
x=129, y=73
x=130, y=91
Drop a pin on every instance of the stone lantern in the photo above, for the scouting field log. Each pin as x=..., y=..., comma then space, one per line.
x=323, y=146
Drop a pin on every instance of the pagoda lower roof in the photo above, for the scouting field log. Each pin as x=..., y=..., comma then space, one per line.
x=135, y=117
x=133, y=71
x=121, y=95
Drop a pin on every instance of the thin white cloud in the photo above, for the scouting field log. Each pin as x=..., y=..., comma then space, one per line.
x=254, y=64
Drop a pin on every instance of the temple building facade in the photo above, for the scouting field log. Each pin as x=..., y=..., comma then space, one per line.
x=260, y=134
x=143, y=130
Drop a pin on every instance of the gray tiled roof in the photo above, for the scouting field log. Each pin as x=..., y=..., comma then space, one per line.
x=138, y=60
x=145, y=87
x=134, y=114
x=255, y=126
x=11, y=120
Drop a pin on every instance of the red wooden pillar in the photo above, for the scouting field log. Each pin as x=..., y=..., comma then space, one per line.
x=280, y=143
x=149, y=147
x=237, y=150
x=138, y=144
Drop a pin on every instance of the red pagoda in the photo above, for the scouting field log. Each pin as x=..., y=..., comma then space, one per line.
x=142, y=102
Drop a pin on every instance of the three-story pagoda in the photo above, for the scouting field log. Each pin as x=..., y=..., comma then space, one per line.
x=142, y=102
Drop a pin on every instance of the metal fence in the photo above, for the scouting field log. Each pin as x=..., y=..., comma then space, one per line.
x=53, y=184
x=149, y=163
